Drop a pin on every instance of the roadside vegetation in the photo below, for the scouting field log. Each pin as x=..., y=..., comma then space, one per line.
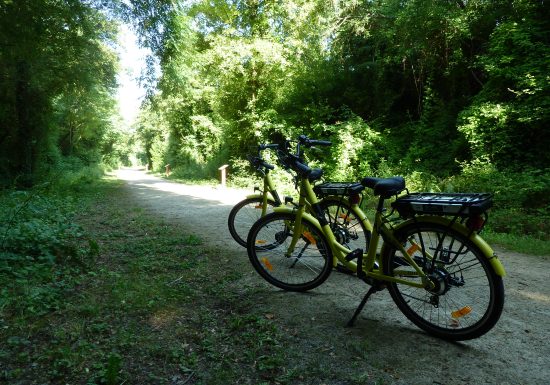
x=99, y=292
x=453, y=95
x=116, y=295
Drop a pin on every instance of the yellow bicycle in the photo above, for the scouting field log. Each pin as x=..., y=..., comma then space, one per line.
x=440, y=273
x=347, y=226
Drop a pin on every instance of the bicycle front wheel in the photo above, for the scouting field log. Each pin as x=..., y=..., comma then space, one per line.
x=243, y=215
x=305, y=267
x=468, y=296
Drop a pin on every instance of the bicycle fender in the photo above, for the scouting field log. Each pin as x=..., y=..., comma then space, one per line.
x=306, y=216
x=269, y=197
x=474, y=237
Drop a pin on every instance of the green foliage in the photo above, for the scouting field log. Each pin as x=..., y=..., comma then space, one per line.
x=58, y=82
x=39, y=251
x=522, y=203
x=507, y=120
x=412, y=67
x=422, y=88
x=354, y=149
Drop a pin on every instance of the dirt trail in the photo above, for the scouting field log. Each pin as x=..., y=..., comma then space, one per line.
x=516, y=351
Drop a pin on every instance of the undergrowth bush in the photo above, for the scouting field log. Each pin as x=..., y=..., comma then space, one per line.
x=521, y=199
x=41, y=250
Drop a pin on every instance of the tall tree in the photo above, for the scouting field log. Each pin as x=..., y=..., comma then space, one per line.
x=57, y=81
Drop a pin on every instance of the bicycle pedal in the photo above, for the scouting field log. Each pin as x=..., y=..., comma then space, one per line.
x=354, y=255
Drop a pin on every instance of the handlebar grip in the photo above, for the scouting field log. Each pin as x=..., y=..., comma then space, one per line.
x=266, y=146
x=321, y=142
x=304, y=140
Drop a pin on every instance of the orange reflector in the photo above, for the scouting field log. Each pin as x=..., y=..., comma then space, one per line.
x=258, y=206
x=345, y=217
x=461, y=312
x=260, y=242
x=307, y=235
x=267, y=264
x=414, y=247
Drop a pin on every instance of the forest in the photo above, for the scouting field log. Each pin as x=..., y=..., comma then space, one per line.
x=454, y=95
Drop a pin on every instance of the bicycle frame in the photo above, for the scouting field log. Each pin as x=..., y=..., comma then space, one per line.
x=269, y=193
x=379, y=230
x=339, y=251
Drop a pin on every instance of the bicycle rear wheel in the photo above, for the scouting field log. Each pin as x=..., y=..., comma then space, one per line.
x=243, y=215
x=468, y=298
x=345, y=224
x=304, y=268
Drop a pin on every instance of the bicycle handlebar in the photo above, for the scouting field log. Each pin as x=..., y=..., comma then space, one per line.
x=301, y=168
x=293, y=162
x=305, y=141
x=259, y=163
x=286, y=158
x=264, y=146
x=267, y=165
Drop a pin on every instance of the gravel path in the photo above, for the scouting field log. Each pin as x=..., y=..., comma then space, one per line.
x=516, y=351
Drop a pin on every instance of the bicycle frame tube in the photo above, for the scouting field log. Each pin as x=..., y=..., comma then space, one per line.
x=307, y=196
x=270, y=187
x=269, y=194
x=379, y=229
x=297, y=230
x=387, y=234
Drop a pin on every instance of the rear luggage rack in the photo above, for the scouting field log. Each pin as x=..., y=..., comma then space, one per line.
x=338, y=188
x=457, y=204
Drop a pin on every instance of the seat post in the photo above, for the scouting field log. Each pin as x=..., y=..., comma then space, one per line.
x=380, y=207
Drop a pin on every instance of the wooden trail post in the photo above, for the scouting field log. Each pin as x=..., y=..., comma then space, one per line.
x=223, y=174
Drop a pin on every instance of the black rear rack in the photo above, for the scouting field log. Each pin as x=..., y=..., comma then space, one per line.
x=338, y=188
x=456, y=204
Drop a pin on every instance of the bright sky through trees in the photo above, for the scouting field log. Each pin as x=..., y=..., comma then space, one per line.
x=132, y=62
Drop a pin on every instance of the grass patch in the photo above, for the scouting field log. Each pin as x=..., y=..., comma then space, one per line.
x=520, y=243
x=146, y=307
x=150, y=303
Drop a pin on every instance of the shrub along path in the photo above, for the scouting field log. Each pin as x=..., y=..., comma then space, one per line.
x=314, y=347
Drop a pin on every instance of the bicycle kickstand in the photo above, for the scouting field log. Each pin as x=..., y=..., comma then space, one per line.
x=372, y=290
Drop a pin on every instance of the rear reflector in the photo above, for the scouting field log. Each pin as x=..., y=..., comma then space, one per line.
x=354, y=199
x=475, y=223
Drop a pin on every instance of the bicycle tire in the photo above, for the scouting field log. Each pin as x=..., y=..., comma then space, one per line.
x=345, y=224
x=469, y=296
x=310, y=263
x=243, y=215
